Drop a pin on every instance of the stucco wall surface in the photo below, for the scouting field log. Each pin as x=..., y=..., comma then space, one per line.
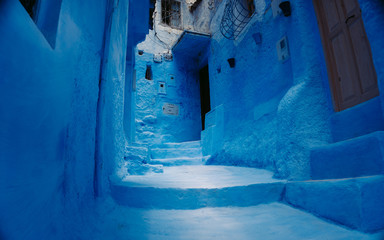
x=274, y=112
x=373, y=17
x=62, y=113
x=48, y=117
x=182, y=89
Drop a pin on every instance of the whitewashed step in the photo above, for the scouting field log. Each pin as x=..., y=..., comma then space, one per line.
x=162, y=153
x=191, y=144
x=192, y=187
x=354, y=202
x=180, y=161
x=274, y=221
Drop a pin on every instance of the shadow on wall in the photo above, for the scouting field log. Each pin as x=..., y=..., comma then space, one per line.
x=45, y=14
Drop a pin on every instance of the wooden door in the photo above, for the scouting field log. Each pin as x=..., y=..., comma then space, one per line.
x=348, y=53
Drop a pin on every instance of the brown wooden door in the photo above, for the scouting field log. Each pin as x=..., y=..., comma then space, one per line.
x=348, y=53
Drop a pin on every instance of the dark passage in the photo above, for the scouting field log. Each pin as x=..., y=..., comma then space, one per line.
x=204, y=94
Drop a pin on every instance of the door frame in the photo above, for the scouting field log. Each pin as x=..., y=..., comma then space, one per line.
x=331, y=64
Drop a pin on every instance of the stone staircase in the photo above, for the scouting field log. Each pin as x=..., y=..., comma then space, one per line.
x=187, y=186
x=347, y=183
x=187, y=183
x=177, y=154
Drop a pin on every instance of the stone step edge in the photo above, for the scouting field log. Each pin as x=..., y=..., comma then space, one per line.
x=351, y=202
x=195, y=198
x=176, y=149
x=176, y=145
x=320, y=157
x=180, y=158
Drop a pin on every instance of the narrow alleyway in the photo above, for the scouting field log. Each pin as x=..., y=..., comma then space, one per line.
x=191, y=120
x=190, y=200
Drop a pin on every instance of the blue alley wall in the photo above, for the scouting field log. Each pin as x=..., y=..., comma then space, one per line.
x=270, y=114
x=48, y=119
x=181, y=81
x=51, y=93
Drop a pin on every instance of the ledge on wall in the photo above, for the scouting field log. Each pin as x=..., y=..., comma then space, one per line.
x=191, y=44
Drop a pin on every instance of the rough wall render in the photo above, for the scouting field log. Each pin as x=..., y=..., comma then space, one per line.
x=48, y=118
x=273, y=111
x=171, y=114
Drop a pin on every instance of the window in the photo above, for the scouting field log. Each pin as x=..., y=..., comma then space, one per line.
x=171, y=13
x=237, y=14
x=45, y=13
x=148, y=73
x=30, y=6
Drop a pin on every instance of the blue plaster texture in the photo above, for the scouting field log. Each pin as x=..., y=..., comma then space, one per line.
x=356, y=203
x=48, y=117
x=273, y=112
x=214, y=123
x=49, y=103
x=373, y=19
x=110, y=128
x=122, y=35
x=152, y=125
x=136, y=33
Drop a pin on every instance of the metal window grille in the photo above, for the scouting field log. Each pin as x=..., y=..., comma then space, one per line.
x=237, y=15
x=171, y=13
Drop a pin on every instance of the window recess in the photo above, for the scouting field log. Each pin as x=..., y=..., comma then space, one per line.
x=171, y=13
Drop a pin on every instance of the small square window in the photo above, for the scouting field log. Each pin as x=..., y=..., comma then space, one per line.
x=171, y=13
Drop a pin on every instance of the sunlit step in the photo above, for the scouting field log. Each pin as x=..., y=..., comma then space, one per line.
x=180, y=161
x=193, y=187
x=161, y=153
x=190, y=144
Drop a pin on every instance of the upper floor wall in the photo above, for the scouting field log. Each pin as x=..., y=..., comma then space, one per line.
x=171, y=17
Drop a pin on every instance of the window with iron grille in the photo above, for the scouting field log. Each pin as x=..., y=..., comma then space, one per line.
x=171, y=13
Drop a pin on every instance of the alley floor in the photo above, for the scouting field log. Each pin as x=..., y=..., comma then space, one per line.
x=274, y=221
x=194, y=201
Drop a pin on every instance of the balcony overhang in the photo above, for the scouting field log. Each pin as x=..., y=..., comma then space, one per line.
x=191, y=44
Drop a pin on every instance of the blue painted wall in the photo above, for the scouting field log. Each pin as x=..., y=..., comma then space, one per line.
x=275, y=113
x=51, y=93
x=152, y=125
x=48, y=116
x=373, y=17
